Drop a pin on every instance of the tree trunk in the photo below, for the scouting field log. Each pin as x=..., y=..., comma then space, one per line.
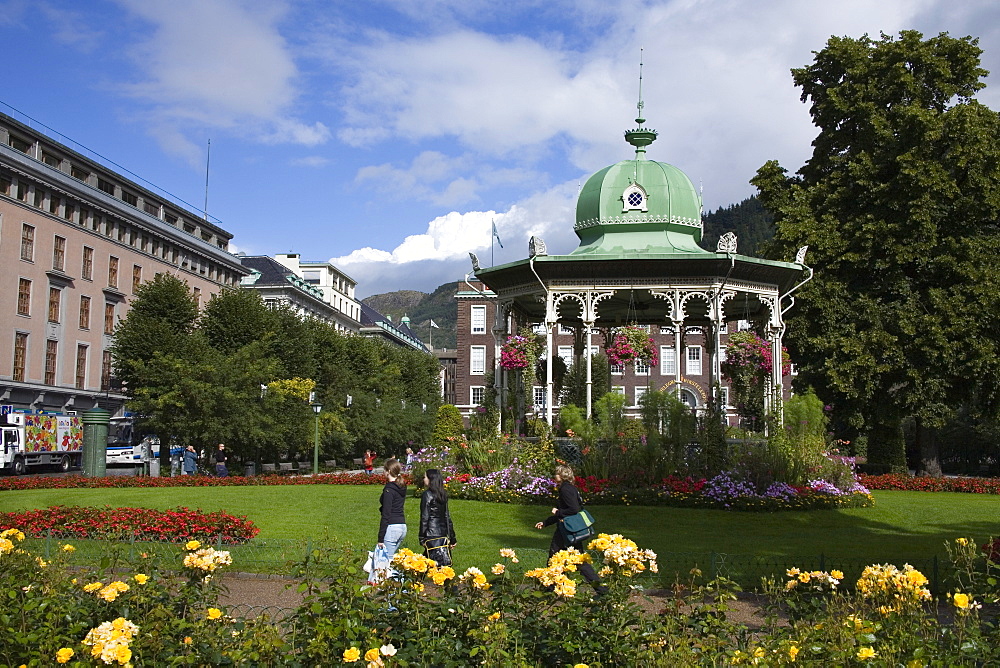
x=929, y=453
x=886, y=446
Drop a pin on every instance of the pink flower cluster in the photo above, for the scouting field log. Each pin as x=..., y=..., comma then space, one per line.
x=749, y=349
x=514, y=353
x=632, y=343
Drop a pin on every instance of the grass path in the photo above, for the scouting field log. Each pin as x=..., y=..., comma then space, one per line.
x=901, y=526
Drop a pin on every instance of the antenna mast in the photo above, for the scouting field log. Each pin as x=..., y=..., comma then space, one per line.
x=208, y=159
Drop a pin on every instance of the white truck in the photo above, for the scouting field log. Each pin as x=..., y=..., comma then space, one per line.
x=40, y=439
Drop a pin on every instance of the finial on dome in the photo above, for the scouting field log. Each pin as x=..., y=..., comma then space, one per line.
x=640, y=137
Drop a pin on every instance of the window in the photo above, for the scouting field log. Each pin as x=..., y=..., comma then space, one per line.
x=151, y=208
x=565, y=329
x=87, y=271
x=311, y=277
x=20, y=355
x=69, y=211
x=106, y=186
x=84, y=312
x=136, y=278
x=742, y=325
x=55, y=300
x=724, y=396
x=641, y=367
x=27, y=242
x=640, y=391
x=477, y=360
x=618, y=389
x=81, y=366
x=477, y=395
x=538, y=328
x=59, y=254
x=106, y=370
x=538, y=396
x=113, y=272
x=170, y=218
x=53, y=204
x=130, y=198
x=18, y=144
x=477, y=315
x=666, y=329
x=5, y=184
x=50, y=160
x=566, y=353
x=109, y=318
x=723, y=327
x=197, y=296
x=668, y=361
x=38, y=199
x=694, y=360
x=617, y=369
x=23, y=296
x=693, y=330
x=79, y=173
x=51, y=348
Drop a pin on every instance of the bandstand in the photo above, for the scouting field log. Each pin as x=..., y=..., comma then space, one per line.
x=639, y=262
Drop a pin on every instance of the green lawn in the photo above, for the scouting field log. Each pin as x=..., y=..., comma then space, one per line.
x=902, y=526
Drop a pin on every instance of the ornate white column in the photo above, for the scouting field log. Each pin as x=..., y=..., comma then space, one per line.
x=500, y=376
x=589, y=324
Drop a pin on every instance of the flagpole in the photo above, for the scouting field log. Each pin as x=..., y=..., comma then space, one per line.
x=430, y=335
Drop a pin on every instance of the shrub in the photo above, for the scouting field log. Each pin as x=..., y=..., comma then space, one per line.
x=449, y=425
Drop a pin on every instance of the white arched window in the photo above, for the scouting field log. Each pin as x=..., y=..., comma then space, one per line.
x=634, y=198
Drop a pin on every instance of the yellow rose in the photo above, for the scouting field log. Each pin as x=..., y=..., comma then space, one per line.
x=213, y=613
x=192, y=545
x=793, y=651
x=64, y=655
x=188, y=640
x=839, y=575
x=123, y=654
x=372, y=654
x=961, y=601
x=962, y=541
x=498, y=569
x=866, y=653
x=141, y=578
x=68, y=548
x=351, y=654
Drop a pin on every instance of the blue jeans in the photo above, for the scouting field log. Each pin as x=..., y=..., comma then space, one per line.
x=394, y=535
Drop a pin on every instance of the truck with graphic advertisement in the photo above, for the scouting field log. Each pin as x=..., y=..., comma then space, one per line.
x=40, y=439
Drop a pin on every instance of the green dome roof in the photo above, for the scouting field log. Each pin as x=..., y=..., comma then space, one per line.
x=638, y=206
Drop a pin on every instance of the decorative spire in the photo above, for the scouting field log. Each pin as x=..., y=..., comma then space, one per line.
x=640, y=137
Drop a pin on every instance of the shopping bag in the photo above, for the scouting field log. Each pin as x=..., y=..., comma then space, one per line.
x=377, y=566
x=438, y=549
x=578, y=527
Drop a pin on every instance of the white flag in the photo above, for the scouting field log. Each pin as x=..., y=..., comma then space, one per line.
x=434, y=325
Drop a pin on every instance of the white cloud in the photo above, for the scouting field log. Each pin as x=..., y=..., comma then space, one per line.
x=221, y=64
x=310, y=161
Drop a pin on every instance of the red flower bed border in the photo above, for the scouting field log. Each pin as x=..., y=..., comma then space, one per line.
x=896, y=481
x=79, y=481
x=175, y=525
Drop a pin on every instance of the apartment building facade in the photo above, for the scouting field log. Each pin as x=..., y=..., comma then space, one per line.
x=77, y=239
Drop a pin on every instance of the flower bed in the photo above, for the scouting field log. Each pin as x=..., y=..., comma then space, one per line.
x=79, y=481
x=724, y=492
x=177, y=525
x=896, y=481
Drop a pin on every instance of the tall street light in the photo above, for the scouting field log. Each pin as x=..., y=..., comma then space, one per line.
x=316, y=409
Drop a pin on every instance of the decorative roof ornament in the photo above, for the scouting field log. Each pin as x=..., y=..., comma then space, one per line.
x=536, y=247
x=640, y=137
x=475, y=262
x=800, y=257
x=727, y=244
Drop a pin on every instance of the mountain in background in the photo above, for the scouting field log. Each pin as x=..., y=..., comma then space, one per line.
x=749, y=220
x=421, y=308
x=752, y=224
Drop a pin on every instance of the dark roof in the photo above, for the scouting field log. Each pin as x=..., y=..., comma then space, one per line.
x=399, y=331
x=271, y=271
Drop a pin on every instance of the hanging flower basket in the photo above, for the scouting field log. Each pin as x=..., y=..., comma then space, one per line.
x=632, y=343
x=519, y=352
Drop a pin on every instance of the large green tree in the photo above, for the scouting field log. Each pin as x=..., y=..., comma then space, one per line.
x=899, y=206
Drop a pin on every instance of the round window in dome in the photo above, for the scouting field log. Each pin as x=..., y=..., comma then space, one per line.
x=634, y=198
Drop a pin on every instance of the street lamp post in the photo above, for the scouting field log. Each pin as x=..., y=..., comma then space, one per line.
x=316, y=409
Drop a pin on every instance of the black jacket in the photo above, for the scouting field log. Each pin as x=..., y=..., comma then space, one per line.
x=569, y=503
x=435, y=520
x=391, y=505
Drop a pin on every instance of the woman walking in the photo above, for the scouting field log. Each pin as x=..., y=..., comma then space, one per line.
x=569, y=503
x=437, y=533
x=392, y=528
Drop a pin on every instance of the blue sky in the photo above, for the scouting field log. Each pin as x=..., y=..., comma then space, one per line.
x=385, y=136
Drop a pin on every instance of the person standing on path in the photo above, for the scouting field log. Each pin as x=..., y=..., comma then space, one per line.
x=437, y=533
x=190, y=461
x=220, y=461
x=392, y=527
x=569, y=503
x=369, y=461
